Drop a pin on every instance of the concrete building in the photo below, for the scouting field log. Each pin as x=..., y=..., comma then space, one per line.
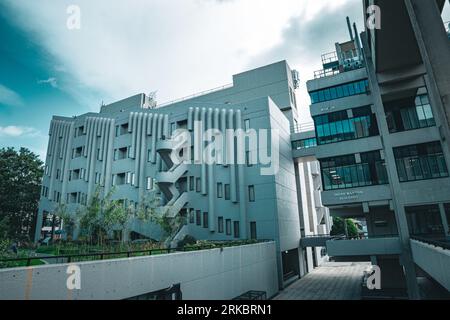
x=381, y=115
x=129, y=143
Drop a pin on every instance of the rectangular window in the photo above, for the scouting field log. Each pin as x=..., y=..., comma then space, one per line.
x=191, y=183
x=228, y=227
x=304, y=144
x=198, y=217
x=220, y=224
x=227, y=192
x=420, y=162
x=219, y=190
x=343, y=172
x=337, y=92
x=338, y=126
x=236, y=229
x=149, y=183
x=198, y=185
x=251, y=193
x=191, y=216
x=247, y=124
x=133, y=179
x=205, y=220
x=149, y=155
x=253, y=234
x=410, y=113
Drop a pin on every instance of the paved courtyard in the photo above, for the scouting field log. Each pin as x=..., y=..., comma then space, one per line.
x=331, y=281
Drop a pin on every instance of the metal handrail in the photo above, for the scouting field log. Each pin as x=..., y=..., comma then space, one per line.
x=303, y=127
x=102, y=255
x=438, y=243
x=198, y=94
x=325, y=73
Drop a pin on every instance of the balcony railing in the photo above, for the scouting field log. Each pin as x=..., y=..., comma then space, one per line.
x=325, y=73
x=302, y=127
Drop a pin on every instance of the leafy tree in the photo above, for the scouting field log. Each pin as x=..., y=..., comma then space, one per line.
x=69, y=221
x=20, y=184
x=339, y=228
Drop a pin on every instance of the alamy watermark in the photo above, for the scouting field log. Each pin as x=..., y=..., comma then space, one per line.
x=374, y=17
x=73, y=21
x=74, y=279
x=373, y=281
x=229, y=147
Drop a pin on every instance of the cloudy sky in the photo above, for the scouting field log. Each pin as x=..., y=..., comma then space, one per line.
x=124, y=47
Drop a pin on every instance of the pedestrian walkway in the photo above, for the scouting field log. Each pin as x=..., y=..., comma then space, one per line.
x=331, y=281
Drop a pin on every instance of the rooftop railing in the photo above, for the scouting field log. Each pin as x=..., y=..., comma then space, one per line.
x=302, y=127
x=325, y=73
x=195, y=95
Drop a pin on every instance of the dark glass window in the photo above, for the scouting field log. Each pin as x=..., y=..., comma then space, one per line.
x=205, y=220
x=191, y=216
x=409, y=114
x=199, y=217
x=191, y=183
x=220, y=224
x=219, y=190
x=228, y=227
x=251, y=193
x=420, y=162
x=304, y=144
x=253, y=234
x=424, y=220
x=227, y=192
x=337, y=92
x=236, y=229
x=337, y=126
x=343, y=172
x=198, y=185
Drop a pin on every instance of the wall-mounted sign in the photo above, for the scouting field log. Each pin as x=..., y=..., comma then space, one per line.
x=348, y=195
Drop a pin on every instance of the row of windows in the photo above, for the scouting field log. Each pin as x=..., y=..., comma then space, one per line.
x=344, y=172
x=420, y=162
x=223, y=190
x=409, y=113
x=426, y=220
x=304, y=144
x=223, y=225
x=337, y=92
x=345, y=125
x=414, y=162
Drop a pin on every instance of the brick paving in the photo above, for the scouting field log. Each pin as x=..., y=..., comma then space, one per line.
x=331, y=281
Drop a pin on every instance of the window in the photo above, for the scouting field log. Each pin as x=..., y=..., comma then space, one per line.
x=198, y=186
x=343, y=172
x=191, y=183
x=57, y=174
x=227, y=192
x=198, y=217
x=77, y=152
x=122, y=129
x=219, y=190
x=251, y=193
x=236, y=229
x=130, y=155
x=120, y=153
x=304, y=144
x=341, y=91
x=248, y=159
x=247, y=124
x=425, y=220
x=338, y=126
x=420, y=162
x=191, y=216
x=228, y=227
x=205, y=220
x=149, y=155
x=149, y=185
x=253, y=234
x=410, y=113
x=119, y=179
x=220, y=224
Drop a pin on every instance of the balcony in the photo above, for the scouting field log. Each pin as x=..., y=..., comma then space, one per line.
x=372, y=246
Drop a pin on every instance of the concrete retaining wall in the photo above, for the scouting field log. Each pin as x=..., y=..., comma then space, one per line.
x=203, y=275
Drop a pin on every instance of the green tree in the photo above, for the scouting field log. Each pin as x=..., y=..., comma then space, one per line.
x=339, y=228
x=20, y=184
x=68, y=220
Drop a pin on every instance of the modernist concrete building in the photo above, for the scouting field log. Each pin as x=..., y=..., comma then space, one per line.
x=127, y=145
x=381, y=110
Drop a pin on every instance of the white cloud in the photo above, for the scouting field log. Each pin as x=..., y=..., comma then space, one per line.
x=176, y=47
x=18, y=131
x=10, y=97
x=51, y=81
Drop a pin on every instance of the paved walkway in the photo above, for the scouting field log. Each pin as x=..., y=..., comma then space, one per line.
x=331, y=281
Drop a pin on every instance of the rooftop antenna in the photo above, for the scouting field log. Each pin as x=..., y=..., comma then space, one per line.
x=350, y=29
x=358, y=44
